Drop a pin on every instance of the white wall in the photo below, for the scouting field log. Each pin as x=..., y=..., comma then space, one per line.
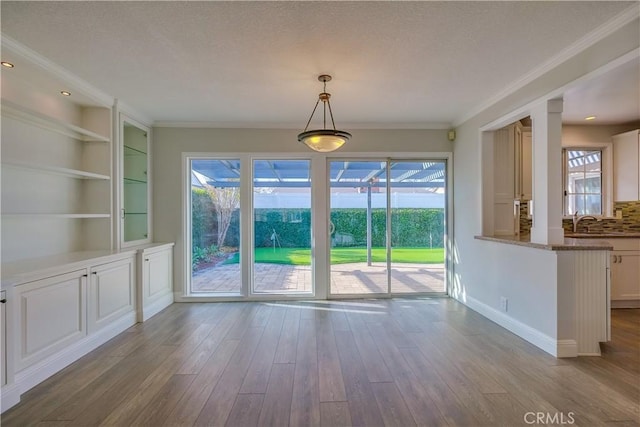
x=485, y=271
x=512, y=272
x=169, y=143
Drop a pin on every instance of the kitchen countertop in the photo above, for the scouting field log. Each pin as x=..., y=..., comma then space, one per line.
x=605, y=235
x=570, y=244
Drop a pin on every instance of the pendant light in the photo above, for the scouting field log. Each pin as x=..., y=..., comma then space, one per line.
x=324, y=140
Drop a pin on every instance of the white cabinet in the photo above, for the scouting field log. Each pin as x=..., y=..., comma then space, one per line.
x=626, y=166
x=9, y=392
x=64, y=307
x=52, y=316
x=111, y=293
x=56, y=165
x=155, y=279
x=3, y=339
x=625, y=273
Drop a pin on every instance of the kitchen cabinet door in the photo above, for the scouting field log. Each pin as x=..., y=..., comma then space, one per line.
x=626, y=166
x=526, y=166
x=625, y=275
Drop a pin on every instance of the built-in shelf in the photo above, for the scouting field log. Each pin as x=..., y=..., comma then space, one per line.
x=134, y=181
x=20, y=112
x=55, y=170
x=55, y=215
x=129, y=151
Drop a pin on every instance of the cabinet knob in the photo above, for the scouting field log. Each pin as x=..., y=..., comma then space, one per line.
x=3, y=300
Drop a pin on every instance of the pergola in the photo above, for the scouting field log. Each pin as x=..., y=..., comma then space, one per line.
x=295, y=173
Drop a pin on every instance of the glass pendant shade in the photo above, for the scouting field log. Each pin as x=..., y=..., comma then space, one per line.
x=324, y=140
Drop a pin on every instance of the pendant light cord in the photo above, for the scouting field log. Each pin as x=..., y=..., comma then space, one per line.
x=324, y=118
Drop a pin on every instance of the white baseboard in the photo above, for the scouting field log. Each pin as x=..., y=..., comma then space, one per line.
x=526, y=332
x=156, y=307
x=628, y=303
x=9, y=396
x=568, y=348
x=35, y=374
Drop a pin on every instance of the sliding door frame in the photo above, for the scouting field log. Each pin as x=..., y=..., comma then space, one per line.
x=388, y=158
x=320, y=241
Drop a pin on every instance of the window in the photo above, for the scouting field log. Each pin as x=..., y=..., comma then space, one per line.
x=583, y=182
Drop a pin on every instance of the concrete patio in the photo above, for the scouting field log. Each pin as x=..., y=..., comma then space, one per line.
x=356, y=278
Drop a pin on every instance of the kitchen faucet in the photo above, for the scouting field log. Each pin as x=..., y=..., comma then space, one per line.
x=577, y=219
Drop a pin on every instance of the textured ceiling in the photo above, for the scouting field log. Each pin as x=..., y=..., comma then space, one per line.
x=395, y=64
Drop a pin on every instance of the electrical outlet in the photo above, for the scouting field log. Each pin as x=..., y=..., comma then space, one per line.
x=618, y=213
x=504, y=304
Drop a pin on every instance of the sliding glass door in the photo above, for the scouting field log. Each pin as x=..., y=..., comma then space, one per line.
x=387, y=227
x=282, y=227
x=215, y=226
x=417, y=213
x=358, y=227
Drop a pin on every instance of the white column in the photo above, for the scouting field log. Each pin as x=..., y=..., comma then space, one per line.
x=547, y=172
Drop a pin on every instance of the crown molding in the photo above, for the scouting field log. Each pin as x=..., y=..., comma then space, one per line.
x=75, y=82
x=628, y=15
x=296, y=127
x=123, y=107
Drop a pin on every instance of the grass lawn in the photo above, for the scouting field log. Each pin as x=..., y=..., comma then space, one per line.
x=297, y=256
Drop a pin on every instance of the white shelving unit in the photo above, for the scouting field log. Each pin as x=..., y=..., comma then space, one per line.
x=55, y=215
x=68, y=164
x=55, y=170
x=11, y=109
x=57, y=164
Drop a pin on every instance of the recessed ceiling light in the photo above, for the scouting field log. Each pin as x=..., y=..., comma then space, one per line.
x=7, y=64
x=65, y=93
x=590, y=118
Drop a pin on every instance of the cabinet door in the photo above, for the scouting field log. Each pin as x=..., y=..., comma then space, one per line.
x=134, y=217
x=157, y=275
x=3, y=339
x=526, y=166
x=51, y=315
x=504, y=150
x=111, y=292
x=625, y=275
x=625, y=167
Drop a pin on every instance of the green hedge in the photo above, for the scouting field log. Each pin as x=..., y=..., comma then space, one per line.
x=411, y=227
x=203, y=219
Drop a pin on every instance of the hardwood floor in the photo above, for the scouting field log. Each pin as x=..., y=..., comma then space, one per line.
x=397, y=362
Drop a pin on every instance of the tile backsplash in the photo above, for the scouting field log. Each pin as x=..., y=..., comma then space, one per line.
x=630, y=220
